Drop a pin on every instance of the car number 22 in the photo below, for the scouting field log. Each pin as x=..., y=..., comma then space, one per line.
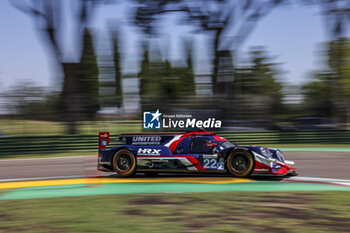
x=212, y=163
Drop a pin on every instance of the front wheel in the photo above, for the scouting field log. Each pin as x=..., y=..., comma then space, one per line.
x=240, y=163
x=124, y=163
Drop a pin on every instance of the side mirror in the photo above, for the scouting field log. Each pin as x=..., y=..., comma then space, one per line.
x=210, y=144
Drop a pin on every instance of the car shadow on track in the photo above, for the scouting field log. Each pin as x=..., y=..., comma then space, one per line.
x=175, y=175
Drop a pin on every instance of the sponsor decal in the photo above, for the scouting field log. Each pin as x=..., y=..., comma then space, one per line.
x=209, y=156
x=146, y=140
x=157, y=120
x=104, y=135
x=159, y=161
x=148, y=151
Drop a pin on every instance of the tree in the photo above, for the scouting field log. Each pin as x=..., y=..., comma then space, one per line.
x=216, y=16
x=179, y=80
x=117, y=71
x=329, y=93
x=151, y=79
x=317, y=99
x=162, y=83
x=88, y=79
x=336, y=15
x=47, y=14
x=188, y=79
x=28, y=101
x=256, y=84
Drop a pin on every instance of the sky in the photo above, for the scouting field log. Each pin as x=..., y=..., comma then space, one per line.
x=291, y=34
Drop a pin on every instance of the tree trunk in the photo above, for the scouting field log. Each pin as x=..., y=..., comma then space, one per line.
x=215, y=88
x=70, y=98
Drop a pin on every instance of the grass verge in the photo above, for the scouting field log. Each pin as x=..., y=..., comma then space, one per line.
x=10, y=127
x=199, y=212
x=48, y=155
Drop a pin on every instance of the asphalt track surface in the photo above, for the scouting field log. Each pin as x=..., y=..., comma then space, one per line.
x=324, y=164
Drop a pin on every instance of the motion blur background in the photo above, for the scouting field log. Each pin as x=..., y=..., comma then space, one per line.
x=274, y=71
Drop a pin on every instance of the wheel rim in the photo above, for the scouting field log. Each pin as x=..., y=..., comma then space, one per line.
x=124, y=162
x=240, y=163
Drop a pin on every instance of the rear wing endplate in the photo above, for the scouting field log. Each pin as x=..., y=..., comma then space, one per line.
x=103, y=138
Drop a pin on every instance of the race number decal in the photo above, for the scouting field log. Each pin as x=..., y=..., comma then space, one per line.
x=209, y=163
x=213, y=162
x=221, y=164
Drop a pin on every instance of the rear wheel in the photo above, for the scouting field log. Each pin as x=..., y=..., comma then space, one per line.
x=124, y=163
x=240, y=163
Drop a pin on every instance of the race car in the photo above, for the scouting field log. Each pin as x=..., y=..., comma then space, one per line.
x=193, y=152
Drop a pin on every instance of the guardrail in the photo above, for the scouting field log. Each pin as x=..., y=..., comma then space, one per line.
x=89, y=143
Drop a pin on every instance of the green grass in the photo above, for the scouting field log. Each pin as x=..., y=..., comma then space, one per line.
x=38, y=128
x=199, y=212
x=48, y=155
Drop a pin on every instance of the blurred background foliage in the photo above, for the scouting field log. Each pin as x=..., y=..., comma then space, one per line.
x=246, y=96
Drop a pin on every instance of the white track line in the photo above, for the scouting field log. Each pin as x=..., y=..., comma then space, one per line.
x=318, y=179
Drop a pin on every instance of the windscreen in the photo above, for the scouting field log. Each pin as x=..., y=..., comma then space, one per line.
x=225, y=144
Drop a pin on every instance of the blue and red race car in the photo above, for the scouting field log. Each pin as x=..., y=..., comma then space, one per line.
x=194, y=152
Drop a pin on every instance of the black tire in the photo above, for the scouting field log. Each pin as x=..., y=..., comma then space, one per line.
x=240, y=163
x=124, y=163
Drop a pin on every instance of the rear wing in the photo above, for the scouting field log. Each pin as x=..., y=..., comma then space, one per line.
x=136, y=139
x=148, y=138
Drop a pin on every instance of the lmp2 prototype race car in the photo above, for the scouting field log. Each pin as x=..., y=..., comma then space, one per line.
x=194, y=152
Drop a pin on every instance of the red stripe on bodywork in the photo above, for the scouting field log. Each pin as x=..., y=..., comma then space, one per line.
x=259, y=165
x=199, y=133
x=193, y=160
x=173, y=145
x=217, y=138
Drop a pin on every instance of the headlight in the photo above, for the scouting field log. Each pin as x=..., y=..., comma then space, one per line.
x=265, y=151
x=280, y=156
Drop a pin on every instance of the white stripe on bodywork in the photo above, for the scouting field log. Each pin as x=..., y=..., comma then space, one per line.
x=262, y=159
x=288, y=162
x=188, y=163
x=177, y=137
x=184, y=161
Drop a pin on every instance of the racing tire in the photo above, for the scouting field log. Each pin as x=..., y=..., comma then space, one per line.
x=124, y=163
x=240, y=163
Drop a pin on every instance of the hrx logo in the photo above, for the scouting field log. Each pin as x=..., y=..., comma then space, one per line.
x=148, y=151
x=151, y=120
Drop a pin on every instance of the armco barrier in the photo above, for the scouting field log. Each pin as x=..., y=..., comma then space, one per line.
x=59, y=144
